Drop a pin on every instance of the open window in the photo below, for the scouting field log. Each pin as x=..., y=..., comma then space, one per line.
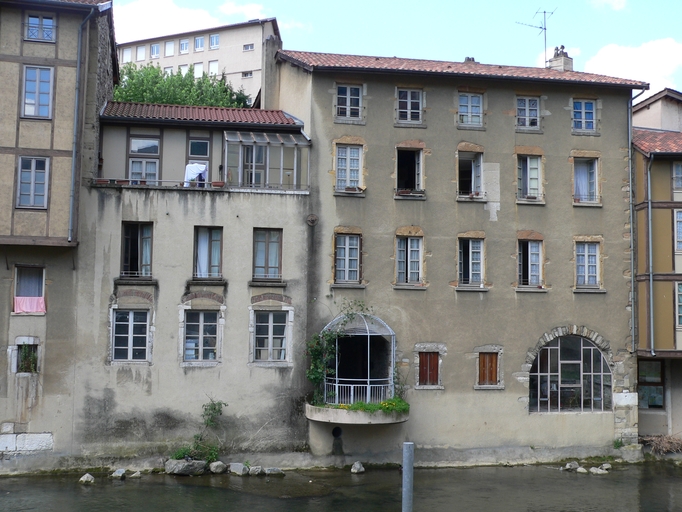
x=529, y=186
x=471, y=262
x=409, y=172
x=137, y=250
x=585, y=180
x=469, y=176
x=208, y=252
x=530, y=263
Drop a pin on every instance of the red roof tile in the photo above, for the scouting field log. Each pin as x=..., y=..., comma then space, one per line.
x=657, y=141
x=330, y=61
x=150, y=111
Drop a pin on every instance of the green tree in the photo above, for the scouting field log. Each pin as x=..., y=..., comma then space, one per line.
x=149, y=84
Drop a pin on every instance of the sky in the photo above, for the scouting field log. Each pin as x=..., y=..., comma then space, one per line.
x=637, y=39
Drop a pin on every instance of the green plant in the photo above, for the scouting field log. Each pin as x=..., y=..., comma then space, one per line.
x=28, y=359
x=211, y=410
x=201, y=449
x=390, y=405
x=247, y=463
x=399, y=383
x=617, y=444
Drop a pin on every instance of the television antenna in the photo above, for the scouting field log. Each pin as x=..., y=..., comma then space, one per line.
x=542, y=27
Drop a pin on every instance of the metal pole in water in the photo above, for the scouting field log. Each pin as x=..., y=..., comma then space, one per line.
x=408, y=473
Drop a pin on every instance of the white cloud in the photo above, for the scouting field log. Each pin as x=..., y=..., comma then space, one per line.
x=142, y=19
x=616, y=5
x=248, y=11
x=655, y=62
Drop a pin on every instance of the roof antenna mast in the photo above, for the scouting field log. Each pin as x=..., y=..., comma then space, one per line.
x=543, y=27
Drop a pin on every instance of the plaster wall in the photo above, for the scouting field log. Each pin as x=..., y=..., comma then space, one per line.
x=649, y=116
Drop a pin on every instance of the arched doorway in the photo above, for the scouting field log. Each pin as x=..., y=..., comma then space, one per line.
x=363, y=366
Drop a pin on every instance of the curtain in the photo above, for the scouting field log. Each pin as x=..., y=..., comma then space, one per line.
x=28, y=295
x=202, y=253
x=582, y=190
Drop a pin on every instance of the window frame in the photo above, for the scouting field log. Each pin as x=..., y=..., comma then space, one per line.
x=199, y=43
x=198, y=68
x=405, y=107
x=440, y=350
x=152, y=53
x=488, y=351
x=644, y=384
x=130, y=348
x=169, y=48
x=183, y=46
x=678, y=304
x=586, y=274
x=213, y=64
x=466, y=119
x=523, y=179
x=580, y=118
x=211, y=44
x=347, y=258
x=183, y=69
x=267, y=276
x=677, y=175
x=593, y=196
x=127, y=55
x=144, y=270
x=211, y=262
x=476, y=189
x=288, y=335
x=201, y=347
x=32, y=184
x=346, y=173
x=526, y=267
x=345, y=111
x=36, y=105
x=38, y=305
x=524, y=116
x=143, y=49
x=408, y=258
x=462, y=260
x=270, y=336
x=28, y=28
x=558, y=378
x=418, y=170
x=248, y=47
x=247, y=74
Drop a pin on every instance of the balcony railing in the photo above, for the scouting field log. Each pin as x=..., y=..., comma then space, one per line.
x=586, y=198
x=349, y=391
x=192, y=185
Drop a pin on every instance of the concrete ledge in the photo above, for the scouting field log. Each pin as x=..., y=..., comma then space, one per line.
x=346, y=417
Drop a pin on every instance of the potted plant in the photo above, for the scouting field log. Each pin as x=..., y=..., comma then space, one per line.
x=217, y=184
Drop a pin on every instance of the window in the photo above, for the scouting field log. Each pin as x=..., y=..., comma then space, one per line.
x=40, y=28
x=409, y=170
x=528, y=177
x=408, y=260
x=130, y=335
x=470, y=261
x=679, y=305
x=530, y=263
x=248, y=47
x=127, y=55
x=214, y=41
x=199, y=44
x=198, y=148
x=198, y=69
x=470, y=109
x=528, y=112
x=253, y=158
x=140, y=53
x=650, y=385
x=37, y=100
x=144, y=169
x=201, y=335
x=29, y=290
x=208, y=245
x=348, y=165
x=348, y=101
x=271, y=339
x=27, y=358
x=168, y=71
x=469, y=182
x=212, y=67
x=267, y=254
x=587, y=264
x=677, y=175
x=347, y=259
x=247, y=74
x=570, y=374
x=184, y=46
x=487, y=369
x=585, y=180
x=428, y=369
x=155, y=50
x=137, y=250
x=583, y=115
x=169, y=48
x=409, y=106
x=33, y=182
x=183, y=69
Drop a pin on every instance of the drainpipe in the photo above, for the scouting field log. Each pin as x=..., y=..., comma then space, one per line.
x=76, y=112
x=632, y=220
x=651, y=255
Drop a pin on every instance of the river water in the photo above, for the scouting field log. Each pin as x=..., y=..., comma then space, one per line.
x=641, y=487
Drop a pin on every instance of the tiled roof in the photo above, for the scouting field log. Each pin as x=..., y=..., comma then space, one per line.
x=150, y=111
x=329, y=61
x=657, y=141
x=86, y=2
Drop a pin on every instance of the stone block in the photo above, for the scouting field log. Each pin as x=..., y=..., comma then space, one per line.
x=581, y=470
x=87, y=479
x=572, y=466
x=8, y=442
x=598, y=471
x=606, y=466
x=357, y=467
x=185, y=467
x=137, y=475
x=239, y=469
x=34, y=442
x=7, y=428
x=256, y=470
x=274, y=472
x=119, y=474
x=217, y=467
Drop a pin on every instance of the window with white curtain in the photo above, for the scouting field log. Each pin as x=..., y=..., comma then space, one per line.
x=270, y=336
x=528, y=176
x=677, y=175
x=408, y=260
x=585, y=180
x=208, y=252
x=29, y=290
x=348, y=165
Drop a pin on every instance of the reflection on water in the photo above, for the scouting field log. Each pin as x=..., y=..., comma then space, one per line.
x=645, y=487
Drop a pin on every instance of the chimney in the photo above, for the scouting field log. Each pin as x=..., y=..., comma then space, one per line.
x=561, y=61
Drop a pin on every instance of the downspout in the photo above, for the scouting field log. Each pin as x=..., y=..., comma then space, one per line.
x=651, y=255
x=76, y=121
x=632, y=220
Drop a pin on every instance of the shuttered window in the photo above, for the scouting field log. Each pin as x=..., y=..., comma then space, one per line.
x=487, y=369
x=428, y=369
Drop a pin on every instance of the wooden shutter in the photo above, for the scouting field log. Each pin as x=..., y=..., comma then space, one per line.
x=428, y=368
x=487, y=368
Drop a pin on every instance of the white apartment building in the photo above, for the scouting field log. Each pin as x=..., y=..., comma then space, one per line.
x=236, y=50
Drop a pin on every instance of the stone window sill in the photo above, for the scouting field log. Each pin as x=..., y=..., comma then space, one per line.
x=586, y=204
x=481, y=198
x=471, y=288
x=268, y=284
x=589, y=290
x=429, y=387
x=536, y=131
x=341, y=120
x=359, y=286
x=200, y=364
x=531, y=289
x=419, y=287
x=409, y=125
x=537, y=202
x=410, y=197
x=495, y=386
x=471, y=127
x=271, y=364
x=133, y=281
x=586, y=133
x=341, y=193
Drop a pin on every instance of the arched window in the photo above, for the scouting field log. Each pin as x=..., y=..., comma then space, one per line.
x=570, y=374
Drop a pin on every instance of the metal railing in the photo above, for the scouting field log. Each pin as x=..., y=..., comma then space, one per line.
x=586, y=198
x=349, y=391
x=192, y=185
